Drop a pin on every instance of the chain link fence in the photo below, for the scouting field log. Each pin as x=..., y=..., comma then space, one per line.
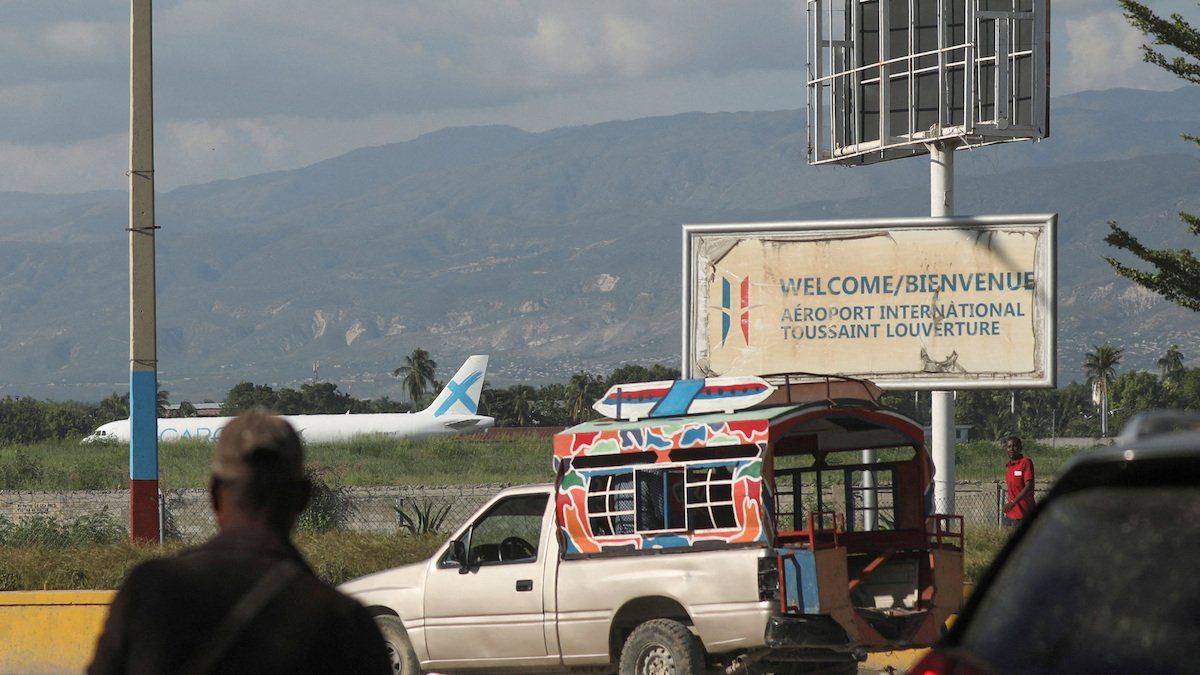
x=983, y=503
x=75, y=518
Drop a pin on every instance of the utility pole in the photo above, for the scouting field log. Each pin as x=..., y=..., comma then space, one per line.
x=143, y=349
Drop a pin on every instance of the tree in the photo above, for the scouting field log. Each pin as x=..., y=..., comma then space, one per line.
x=68, y=419
x=1133, y=392
x=418, y=373
x=514, y=406
x=550, y=409
x=22, y=420
x=1069, y=416
x=487, y=396
x=631, y=373
x=288, y=401
x=583, y=390
x=1176, y=272
x=1185, y=393
x=114, y=407
x=324, y=398
x=186, y=409
x=247, y=395
x=987, y=411
x=1171, y=364
x=1100, y=366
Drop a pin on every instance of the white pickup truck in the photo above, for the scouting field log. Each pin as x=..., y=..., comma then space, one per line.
x=748, y=542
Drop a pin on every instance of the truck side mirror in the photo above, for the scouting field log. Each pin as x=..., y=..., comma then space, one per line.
x=459, y=550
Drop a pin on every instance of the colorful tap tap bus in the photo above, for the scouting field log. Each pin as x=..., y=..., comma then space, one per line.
x=755, y=540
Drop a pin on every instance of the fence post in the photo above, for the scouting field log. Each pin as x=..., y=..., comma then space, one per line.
x=162, y=508
x=999, y=504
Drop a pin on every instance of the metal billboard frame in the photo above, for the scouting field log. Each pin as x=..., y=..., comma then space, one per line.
x=885, y=78
x=1047, y=294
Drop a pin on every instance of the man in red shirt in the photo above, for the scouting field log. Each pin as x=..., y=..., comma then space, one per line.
x=1019, y=477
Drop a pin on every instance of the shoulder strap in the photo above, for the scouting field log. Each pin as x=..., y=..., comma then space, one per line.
x=269, y=585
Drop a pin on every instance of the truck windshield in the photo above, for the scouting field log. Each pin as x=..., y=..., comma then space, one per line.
x=509, y=532
x=1104, y=581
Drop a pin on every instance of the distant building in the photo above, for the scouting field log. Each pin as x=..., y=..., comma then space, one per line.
x=202, y=410
x=962, y=433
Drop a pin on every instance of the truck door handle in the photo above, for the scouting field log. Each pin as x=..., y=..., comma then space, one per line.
x=525, y=584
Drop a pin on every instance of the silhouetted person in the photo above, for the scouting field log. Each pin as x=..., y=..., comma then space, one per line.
x=245, y=601
x=1018, y=477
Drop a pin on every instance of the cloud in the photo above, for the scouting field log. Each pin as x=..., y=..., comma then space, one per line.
x=1104, y=51
x=77, y=37
x=244, y=87
x=204, y=146
x=233, y=59
x=92, y=164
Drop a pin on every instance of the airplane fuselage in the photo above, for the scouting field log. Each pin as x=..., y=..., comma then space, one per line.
x=312, y=428
x=452, y=412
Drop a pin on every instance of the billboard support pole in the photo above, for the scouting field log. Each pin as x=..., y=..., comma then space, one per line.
x=941, y=204
x=143, y=349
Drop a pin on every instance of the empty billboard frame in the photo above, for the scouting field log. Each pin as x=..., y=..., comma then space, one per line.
x=911, y=303
x=887, y=77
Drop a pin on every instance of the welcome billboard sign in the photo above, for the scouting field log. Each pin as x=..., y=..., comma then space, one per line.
x=912, y=303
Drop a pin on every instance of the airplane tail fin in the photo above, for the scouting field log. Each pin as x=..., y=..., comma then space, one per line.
x=461, y=395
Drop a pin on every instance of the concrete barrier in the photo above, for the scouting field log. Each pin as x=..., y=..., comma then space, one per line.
x=50, y=631
x=888, y=662
x=55, y=632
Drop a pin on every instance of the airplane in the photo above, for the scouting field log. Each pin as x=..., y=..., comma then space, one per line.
x=452, y=412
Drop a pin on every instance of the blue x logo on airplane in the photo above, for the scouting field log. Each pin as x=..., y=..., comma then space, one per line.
x=459, y=392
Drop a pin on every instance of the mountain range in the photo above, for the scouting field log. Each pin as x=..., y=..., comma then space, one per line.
x=552, y=251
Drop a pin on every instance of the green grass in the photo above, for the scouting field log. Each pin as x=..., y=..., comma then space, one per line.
x=335, y=556
x=63, y=466
x=376, y=461
x=368, y=461
x=980, y=548
x=439, y=461
x=974, y=461
x=985, y=460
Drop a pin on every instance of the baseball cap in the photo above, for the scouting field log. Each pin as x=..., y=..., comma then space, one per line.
x=257, y=441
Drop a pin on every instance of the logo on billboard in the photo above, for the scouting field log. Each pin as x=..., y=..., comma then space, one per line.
x=728, y=310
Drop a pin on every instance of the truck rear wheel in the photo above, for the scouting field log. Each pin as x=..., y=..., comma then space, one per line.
x=399, y=647
x=661, y=647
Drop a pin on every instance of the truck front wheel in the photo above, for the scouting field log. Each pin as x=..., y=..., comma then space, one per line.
x=400, y=649
x=661, y=647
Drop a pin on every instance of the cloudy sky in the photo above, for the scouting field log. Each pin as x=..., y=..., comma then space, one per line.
x=247, y=86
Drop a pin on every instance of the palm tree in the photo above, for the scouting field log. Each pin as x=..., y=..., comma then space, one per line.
x=417, y=371
x=487, y=399
x=1171, y=364
x=113, y=407
x=519, y=400
x=1100, y=365
x=583, y=390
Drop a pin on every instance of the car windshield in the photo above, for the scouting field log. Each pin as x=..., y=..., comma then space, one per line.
x=1105, y=580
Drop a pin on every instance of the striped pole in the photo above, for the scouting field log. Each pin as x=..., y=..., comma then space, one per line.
x=143, y=350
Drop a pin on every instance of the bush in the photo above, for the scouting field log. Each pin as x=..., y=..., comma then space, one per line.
x=330, y=507
x=20, y=470
x=421, y=517
x=53, y=532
